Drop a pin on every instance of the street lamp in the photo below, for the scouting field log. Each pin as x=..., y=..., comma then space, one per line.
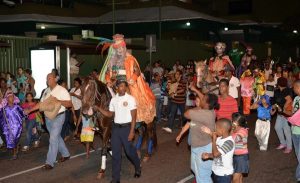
x=188, y=24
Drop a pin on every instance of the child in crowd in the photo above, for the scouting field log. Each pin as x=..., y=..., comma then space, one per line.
x=22, y=93
x=247, y=91
x=11, y=118
x=222, y=151
x=241, y=155
x=262, y=126
x=87, y=134
x=270, y=87
x=31, y=124
x=11, y=82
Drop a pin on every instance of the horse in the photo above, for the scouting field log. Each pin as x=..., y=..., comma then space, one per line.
x=94, y=92
x=205, y=80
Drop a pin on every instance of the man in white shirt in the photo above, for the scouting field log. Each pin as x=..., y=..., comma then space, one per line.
x=234, y=84
x=56, y=143
x=123, y=108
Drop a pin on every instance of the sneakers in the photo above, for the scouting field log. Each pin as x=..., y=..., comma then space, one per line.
x=25, y=148
x=281, y=146
x=167, y=129
x=287, y=151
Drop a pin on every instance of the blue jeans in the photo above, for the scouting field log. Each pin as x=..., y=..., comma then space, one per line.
x=222, y=179
x=56, y=143
x=30, y=124
x=283, y=131
x=158, y=106
x=173, y=111
x=296, y=142
x=201, y=169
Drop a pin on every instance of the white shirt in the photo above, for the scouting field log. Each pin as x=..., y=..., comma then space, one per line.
x=234, y=83
x=223, y=165
x=122, y=106
x=76, y=101
x=58, y=92
x=270, y=88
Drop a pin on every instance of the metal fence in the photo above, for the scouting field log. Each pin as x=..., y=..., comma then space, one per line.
x=17, y=55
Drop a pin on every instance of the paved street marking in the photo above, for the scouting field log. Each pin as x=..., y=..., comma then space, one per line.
x=186, y=179
x=39, y=167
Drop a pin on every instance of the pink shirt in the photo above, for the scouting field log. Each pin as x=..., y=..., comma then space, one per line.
x=240, y=138
x=247, y=86
x=31, y=116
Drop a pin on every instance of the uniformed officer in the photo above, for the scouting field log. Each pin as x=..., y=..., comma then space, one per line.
x=123, y=108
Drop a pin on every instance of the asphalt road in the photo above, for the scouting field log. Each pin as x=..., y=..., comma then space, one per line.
x=169, y=164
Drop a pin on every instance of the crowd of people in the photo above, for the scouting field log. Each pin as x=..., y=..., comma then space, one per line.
x=251, y=84
x=212, y=100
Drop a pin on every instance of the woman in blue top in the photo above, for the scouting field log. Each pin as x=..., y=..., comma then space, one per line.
x=262, y=127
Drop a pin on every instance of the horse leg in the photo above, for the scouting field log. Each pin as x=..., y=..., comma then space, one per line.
x=139, y=143
x=106, y=136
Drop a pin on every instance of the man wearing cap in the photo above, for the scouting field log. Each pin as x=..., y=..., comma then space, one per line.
x=123, y=108
x=60, y=95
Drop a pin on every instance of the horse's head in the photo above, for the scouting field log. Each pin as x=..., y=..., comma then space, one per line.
x=89, y=93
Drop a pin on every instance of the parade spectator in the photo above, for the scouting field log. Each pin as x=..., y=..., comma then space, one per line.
x=278, y=73
x=87, y=134
x=228, y=105
x=60, y=95
x=222, y=151
x=296, y=129
x=247, y=91
x=158, y=69
x=283, y=104
x=268, y=68
x=178, y=98
x=11, y=82
x=241, y=154
x=21, y=78
x=202, y=115
x=11, y=122
x=76, y=98
x=22, y=93
x=30, y=82
x=177, y=66
x=31, y=123
x=156, y=89
x=270, y=87
x=234, y=84
x=262, y=125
